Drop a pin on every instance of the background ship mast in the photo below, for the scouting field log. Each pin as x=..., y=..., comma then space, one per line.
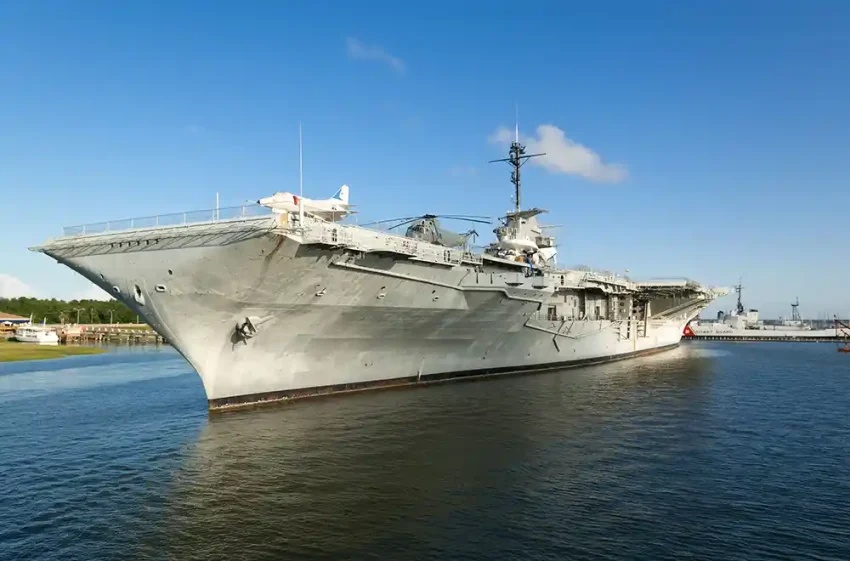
x=517, y=158
x=795, y=312
x=739, y=288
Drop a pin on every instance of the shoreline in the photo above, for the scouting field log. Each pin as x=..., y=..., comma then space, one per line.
x=13, y=351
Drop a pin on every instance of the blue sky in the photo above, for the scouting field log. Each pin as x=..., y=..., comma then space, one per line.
x=700, y=139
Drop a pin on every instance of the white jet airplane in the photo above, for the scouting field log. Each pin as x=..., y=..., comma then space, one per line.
x=333, y=209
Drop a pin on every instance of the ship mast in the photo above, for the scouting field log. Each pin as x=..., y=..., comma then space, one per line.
x=795, y=311
x=739, y=288
x=517, y=159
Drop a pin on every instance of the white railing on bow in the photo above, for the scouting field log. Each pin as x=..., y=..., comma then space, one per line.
x=227, y=214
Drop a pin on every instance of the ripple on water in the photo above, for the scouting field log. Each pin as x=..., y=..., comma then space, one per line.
x=706, y=452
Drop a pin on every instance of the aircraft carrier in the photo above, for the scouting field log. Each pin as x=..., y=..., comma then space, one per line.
x=287, y=299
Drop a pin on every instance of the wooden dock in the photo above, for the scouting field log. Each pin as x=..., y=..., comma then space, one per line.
x=132, y=334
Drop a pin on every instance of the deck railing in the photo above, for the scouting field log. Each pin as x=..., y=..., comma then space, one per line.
x=227, y=214
x=344, y=233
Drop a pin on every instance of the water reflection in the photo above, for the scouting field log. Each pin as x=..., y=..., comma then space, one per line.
x=423, y=472
x=120, y=365
x=707, y=452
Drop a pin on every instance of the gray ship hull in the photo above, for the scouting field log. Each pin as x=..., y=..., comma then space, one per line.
x=324, y=318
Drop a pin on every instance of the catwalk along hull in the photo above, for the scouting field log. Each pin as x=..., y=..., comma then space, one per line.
x=264, y=313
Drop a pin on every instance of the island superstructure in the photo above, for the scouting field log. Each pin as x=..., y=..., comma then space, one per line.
x=288, y=299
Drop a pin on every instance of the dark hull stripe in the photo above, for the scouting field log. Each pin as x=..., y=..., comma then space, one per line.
x=265, y=398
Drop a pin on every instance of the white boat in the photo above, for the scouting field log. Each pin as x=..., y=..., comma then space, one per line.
x=37, y=334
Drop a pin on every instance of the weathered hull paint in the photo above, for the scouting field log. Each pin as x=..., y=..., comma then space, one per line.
x=270, y=398
x=330, y=319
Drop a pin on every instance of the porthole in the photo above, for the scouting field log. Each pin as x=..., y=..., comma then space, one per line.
x=160, y=288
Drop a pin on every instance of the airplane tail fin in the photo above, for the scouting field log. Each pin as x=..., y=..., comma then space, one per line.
x=342, y=194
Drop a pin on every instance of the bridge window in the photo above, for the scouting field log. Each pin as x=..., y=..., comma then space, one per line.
x=552, y=313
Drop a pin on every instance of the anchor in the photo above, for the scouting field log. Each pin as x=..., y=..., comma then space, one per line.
x=246, y=330
x=249, y=328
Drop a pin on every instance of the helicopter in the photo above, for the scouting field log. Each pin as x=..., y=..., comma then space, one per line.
x=427, y=228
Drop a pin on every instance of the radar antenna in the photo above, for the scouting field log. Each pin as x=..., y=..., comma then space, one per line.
x=517, y=159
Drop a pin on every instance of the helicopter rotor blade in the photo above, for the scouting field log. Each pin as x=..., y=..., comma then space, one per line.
x=466, y=216
x=404, y=223
x=428, y=216
x=479, y=220
x=392, y=220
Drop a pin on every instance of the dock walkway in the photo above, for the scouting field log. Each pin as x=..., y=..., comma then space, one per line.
x=107, y=333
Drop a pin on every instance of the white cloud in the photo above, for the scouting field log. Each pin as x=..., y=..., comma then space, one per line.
x=563, y=155
x=463, y=171
x=11, y=287
x=93, y=292
x=360, y=51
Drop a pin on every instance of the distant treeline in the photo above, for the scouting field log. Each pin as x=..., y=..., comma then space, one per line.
x=60, y=311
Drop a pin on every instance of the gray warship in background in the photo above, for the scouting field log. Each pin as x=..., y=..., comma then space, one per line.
x=288, y=299
x=745, y=325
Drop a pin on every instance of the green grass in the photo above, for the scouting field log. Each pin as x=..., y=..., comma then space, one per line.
x=13, y=351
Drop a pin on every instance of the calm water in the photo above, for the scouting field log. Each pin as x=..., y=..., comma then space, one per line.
x=710, y=451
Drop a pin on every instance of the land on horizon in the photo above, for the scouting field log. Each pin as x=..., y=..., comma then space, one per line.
x=55, y=311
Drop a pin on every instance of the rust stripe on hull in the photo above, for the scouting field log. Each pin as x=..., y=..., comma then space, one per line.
x=267, y=398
